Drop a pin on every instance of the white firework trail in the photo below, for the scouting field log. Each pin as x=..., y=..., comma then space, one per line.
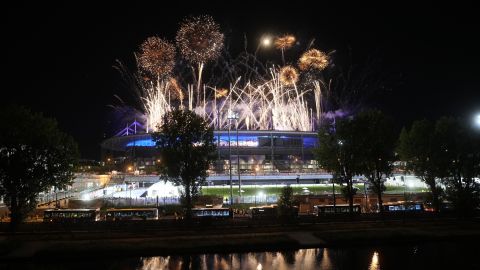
x=263, y=106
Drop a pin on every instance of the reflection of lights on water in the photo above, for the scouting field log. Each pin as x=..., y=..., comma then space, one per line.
x=326, y=263
x=375, y=264
x=155, y=263
x=300, y=259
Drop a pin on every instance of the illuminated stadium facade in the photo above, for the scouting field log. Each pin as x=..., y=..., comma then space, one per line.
x=257, y=151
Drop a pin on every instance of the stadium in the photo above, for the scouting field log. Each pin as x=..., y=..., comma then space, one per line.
x=249, y=152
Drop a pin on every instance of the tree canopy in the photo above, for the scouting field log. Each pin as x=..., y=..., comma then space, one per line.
x=418, y=147
x=339, y=152
x=286, y=203
x=459, y=161
x=378, y=140
x=34, y=156
x=186, y=147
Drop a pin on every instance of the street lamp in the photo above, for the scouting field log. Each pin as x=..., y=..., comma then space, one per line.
x=365, y=191
x=231, y=115
x=266, y=41
x=334, y=199
x=476, y=120
x=255, y=183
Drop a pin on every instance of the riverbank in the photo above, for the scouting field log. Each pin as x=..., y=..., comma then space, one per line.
x=144, y=242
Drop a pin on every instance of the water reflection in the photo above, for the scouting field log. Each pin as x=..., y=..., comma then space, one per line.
x=401, y=257
x=375, y=264
x=425, y=256
x=281, y=260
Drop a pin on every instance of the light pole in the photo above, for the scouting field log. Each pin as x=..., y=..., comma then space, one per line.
x=238, y=163
x=255, y=183
x=231, y=115
x=230, y=162
x=366, y=198
x=334, y=199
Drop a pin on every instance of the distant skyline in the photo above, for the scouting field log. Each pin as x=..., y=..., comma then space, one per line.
x=59, y=61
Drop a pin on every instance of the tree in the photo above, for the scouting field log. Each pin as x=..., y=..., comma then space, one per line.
x=338, y=152
x=459, y=148
x=186, y=147
x=34, y=156
x=419, y=149
x=378, y=139
x=286, y=203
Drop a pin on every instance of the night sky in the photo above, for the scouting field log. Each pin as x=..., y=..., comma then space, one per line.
x=59, y=58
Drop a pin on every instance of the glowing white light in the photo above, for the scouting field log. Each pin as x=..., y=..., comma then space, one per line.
x=477, y=120
x=267, y=41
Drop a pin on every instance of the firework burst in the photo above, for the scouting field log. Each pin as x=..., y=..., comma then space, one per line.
x=199, y=39
x=156, y=56
x=221, y=92
x=285, y=42
x=313, y=59
x=288, y=75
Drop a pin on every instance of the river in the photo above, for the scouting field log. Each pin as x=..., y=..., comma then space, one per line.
x=422, y=256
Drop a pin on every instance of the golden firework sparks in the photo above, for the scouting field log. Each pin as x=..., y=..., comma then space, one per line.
x=156, y=56
x=175, y=88
x=313, y=59
x=285, y=42
x=199, y=39
x=288, y=75
x=221, y=92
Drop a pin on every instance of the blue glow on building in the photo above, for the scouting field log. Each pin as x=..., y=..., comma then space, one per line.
x=243, y=141
x=145, y=142
x=310, y=142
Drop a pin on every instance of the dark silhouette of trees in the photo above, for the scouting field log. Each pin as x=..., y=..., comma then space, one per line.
x=186, y=147
x=286, y=203
x=34, y=156
x=419, y=149
x=447, y=152
x=459, y=153
x=378, y=140
x=339, y=153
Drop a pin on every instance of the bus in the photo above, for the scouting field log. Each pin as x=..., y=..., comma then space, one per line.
x=71, y=215
x=330, y=209
x=403, y=206
x=263, y=212
x=114, y=214
x=202, y=213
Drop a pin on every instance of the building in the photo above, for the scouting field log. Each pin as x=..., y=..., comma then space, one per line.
x=248, y=151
